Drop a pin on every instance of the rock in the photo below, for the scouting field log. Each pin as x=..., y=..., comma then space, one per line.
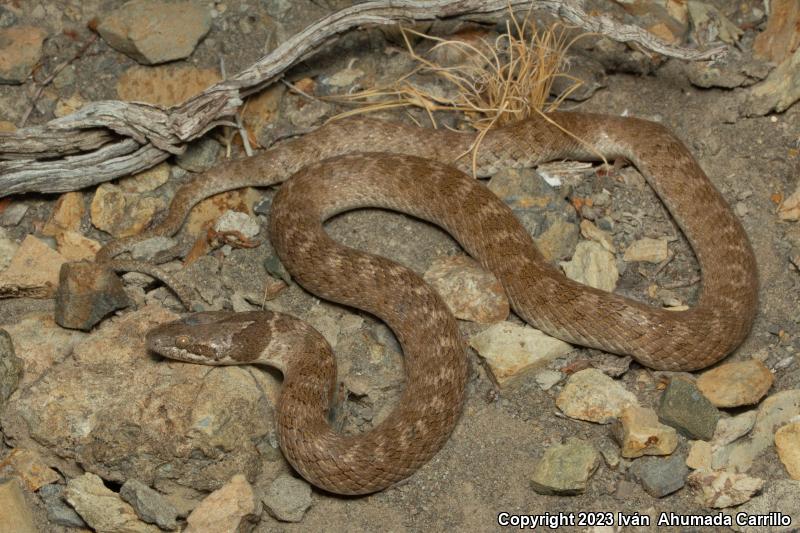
x=775, y=411
x=593, y=396
x=226, y=509
x=660, y=476
x=11, y=368
x=15, y=514
x=779, y=495
x=781, y=35
x=684, y=407
x=304, y=114
x=511, y=350
x=13, y=214
x=122, y=213
x=165, y=85
x=469, y=291
x=151, y=506
x=710, y=24
x=153, y=31
x=75, y=247
x=288, y=498
x=237, y=222
x=8, y=248
x=565, y=468
x=592, y=232
x=147, y=180
x=719, y=489
x=730, y=429
x=523, y=189
x=58, y=512
x=28, y=466
x=736, y=384
x=647, y=250
x=592, y=265
x=790, y=207
x=20, y=50
x=200, y=155
x=639, y=433
x=87, y=293
x=102, y=508
x=558, y=241
x=787, y=441
x=778, y=92
x=33, y=271
x=734, y=70
x=262, y=111
x=548, y=378
x=610, y=452
x=69, y=105
x=148, y=249
x=206, y=212
x=343, y=78
x=699, y=457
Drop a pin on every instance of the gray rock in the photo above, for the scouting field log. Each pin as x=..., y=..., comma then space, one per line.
x=148, y=249
x=13, y=215
x=87, y=292
x=685, y=408
x=199, y=155
x=58, y=511
x=565, y=468
x=781, y=496
x=150, y=505
x=7, y=17
x=102, y=508
x=11, y=367
x=660, y=476
x=288, y=498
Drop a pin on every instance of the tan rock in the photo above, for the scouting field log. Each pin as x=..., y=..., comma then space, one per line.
x=20, y=50
x=778, y=91
x=33, y=271
x=27, y=465
x=262, y=108
x=209, y=210
x=592, y=232
x=639, y=433
x=699, y=456
x=15, y=514
x=647, y=250
x=558, y=241
x=469, y=291
x=147, y=180
x=7, y=126
x=720, y=489
x=736, y=384
x=787, y=441
x=592, y=265
x=511, y=350
x=790, y=207
x=165, y=85
x=69, y=105
x=593, y=396
x=67, y=214
x=120, y=213
x=75, y=247
x=224, y=509
x=781, y=37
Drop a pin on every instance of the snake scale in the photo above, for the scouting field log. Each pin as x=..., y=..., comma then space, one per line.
x=415, y=171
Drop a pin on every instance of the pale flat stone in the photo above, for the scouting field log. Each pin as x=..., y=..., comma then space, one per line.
x=647, y=250
x=590, y=231
x=720, y=489
x=469, y=291
x=165, y=85
x=592, y=265
x=790, y=207
x=639, y=433
x=288, y=498
x=225, y=509
x=732, y=428
x=736, y=384
x=558, y=241
x=33, y=271
x=510, y=349
x=75, y=247
x=15, y=514
x=593, y=396
x=147, y=180
x=787, y=441
x=699, y=455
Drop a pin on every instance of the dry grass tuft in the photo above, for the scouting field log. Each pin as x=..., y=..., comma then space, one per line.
x=495, y=83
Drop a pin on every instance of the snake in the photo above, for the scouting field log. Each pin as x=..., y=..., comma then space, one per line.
x=364, y=162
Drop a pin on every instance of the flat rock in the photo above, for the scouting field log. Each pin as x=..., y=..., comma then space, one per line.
x=590, y=231
x=58, y=511
x=27, y=466
x=15, y=513
x=779, y=495
x=122, y=213
x=565, y=468
x=20, y=50
x=165, y=85
x=699, y=456
x=592, y=265
x=102, y=508
x=67, y=214
x=593, y=396
x=685, y=408
x=33, y=271
x=226, y=509
x=736, y=384
x=790, y=207
x=660, y=476
x=200, y=155
x=787, y=441
x=511, y=350
x=731, y=428
x=288, y=498
x=523, y=188
x=647, y=250
x=87, y=293
x=778, y=91
x=469, y=291
x=558, y=241
x=153, y=31
x=237, y=222
x=149, y=504
x=639, y=433
x=75, y=247
x=147, y=180
x=718, y=489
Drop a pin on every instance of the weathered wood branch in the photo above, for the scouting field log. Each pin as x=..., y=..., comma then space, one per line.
x=108, y=139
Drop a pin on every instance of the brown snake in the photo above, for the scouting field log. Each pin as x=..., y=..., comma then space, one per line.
x=423, y=183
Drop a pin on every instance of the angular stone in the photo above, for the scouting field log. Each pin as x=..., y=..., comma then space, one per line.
x=122, y=213
x=699, y=455
x=147, y=180
x=558, y=241
x=639, y=433
x=660, y=476
x=226, y=509
x=200, y=155
x=288, y=498
x=165, y=85
x=565, y=468
x=150, y=505
x=781, y=35
x=75, y=247
x=719, y=489
x=510, y=350
x=237, y=222
x=592, y=232
x=15, y=514
x=647, y=250
x=469, y=291
x=778, y=91
x=58, y=511
x=593, y=396
x=67, y=214
x=87, y=292
x=33, y=271
x=736, y=384
x=790, y=207
x=592, y=265
x=684, y=407
x=28, y=466
x=153, y=31
x=102, y=508
x=730, y=429
x=787, y=441
x=20, y=50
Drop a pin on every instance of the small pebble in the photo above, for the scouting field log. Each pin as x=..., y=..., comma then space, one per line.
x=736, y=384
x=685, y=408
x=593, y=396
x=565, y=468
x=787, y=441
x=288, y=498
x=660, y=476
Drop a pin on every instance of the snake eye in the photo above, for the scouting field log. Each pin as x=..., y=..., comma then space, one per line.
x=182, y=341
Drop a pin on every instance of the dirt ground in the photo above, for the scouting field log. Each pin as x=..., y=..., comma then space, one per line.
x=485, y=467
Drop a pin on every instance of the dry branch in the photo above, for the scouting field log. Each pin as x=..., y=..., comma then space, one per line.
x=110, y=139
